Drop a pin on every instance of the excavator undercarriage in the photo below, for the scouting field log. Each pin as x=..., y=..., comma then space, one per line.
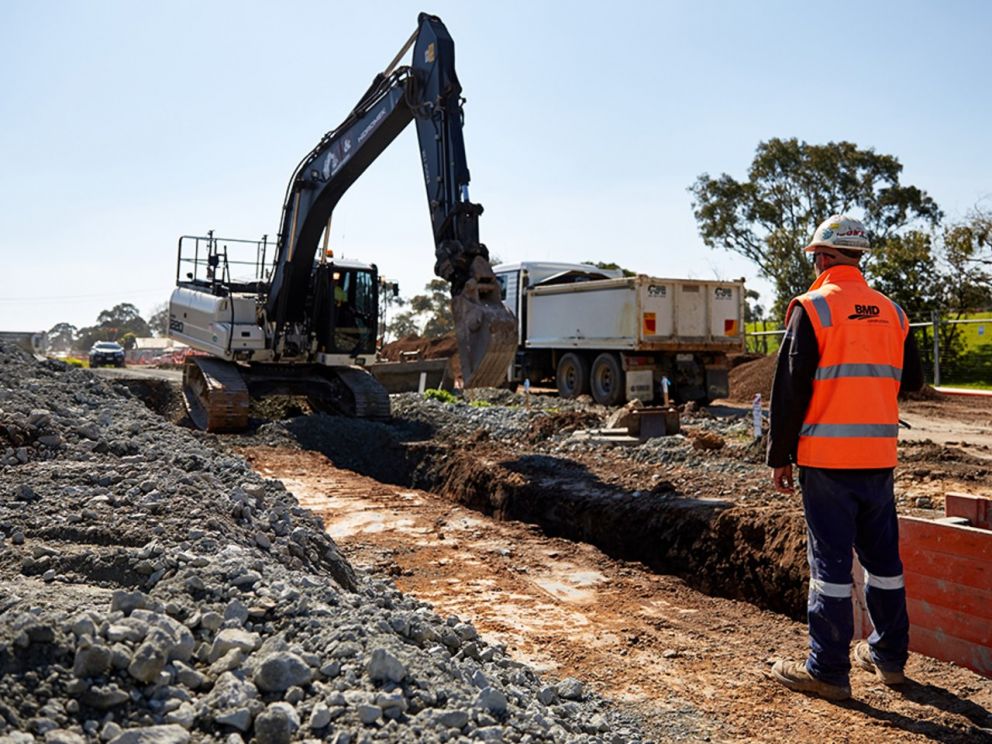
x=218, y=394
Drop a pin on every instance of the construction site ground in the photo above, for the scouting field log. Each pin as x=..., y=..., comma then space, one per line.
x=668, y=576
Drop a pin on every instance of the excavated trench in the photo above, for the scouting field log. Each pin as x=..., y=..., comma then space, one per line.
x=751, y=553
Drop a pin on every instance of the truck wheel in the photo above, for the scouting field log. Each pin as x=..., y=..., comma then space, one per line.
x=607, y=380
x=572, y=376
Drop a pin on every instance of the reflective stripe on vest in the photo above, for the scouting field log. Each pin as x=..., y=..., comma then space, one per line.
x=822, y=308
x=850, y=430
x=852, y=421
x=858, y=370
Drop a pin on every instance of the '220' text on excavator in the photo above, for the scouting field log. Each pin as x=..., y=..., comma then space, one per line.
x=306, y=325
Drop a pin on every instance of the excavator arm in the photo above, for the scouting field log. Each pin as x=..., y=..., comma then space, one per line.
x=427, y=92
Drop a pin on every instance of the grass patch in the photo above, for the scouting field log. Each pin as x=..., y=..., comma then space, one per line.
x=439, y=395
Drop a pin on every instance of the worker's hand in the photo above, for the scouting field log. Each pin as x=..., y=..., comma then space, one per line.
x=783, y=479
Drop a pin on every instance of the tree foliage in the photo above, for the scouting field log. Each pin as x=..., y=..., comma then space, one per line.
x=113, y=325
x=435, y=305
x=158, y=324
x=791, y=187
x=610, y=266
x=61, y=336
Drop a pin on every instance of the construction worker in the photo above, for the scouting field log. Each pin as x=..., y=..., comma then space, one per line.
x=846, y=355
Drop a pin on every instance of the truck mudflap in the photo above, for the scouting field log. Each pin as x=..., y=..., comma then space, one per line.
x=717, y=382
x=485, y=329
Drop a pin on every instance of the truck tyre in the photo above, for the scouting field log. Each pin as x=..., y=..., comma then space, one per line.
x=607, y=380
x=572, y=376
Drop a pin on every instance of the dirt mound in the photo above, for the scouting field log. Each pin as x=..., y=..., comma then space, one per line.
x=927, y=392
x=443, y=347
x=545, y=427
x=736, y=360
x=753, y=377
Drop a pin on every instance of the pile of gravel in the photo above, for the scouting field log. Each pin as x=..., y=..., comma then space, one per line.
x=154, y=589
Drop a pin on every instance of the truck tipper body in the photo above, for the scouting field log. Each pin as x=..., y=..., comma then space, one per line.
x=618, y=338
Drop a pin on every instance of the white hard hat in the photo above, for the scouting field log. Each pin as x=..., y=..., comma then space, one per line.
x=840, y=231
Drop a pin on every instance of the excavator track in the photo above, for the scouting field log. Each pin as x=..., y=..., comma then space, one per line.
x=215, y=394
x=369, y=399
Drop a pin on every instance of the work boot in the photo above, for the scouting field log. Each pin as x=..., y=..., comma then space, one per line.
x=797, y=677
x=862, y=657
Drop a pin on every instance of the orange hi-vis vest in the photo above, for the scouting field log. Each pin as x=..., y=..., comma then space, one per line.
x=852, y=421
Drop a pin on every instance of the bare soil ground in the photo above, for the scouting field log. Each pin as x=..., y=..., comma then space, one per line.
x=647, y=640
x=667, y=578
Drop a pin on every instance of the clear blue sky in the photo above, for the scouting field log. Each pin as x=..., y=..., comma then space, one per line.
x=126, y=124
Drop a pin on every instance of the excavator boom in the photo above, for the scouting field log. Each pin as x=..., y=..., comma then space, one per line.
x=428, y=93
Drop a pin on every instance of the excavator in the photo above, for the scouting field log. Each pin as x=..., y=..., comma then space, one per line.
x=306, y=324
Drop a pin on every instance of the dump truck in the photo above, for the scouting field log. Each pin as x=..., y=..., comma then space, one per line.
x=616, y=337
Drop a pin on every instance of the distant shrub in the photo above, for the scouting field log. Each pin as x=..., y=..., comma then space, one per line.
x=442, y=396
x=480, y=404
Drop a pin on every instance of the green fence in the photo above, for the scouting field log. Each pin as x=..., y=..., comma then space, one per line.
x=961, y=356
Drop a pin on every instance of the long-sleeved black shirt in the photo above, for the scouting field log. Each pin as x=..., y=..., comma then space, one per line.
x=792, y=387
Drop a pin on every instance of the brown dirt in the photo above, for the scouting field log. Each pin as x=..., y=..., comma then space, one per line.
x=753, y=377
x=544, y=427
x=445, y=347
x=649, y=641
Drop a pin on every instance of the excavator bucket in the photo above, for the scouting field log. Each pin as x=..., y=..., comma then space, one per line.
x=486, y=331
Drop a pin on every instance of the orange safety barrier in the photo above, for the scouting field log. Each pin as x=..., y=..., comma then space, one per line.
x=948, y=570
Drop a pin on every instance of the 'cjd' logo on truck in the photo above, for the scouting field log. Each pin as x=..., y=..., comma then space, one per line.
x=864, y=312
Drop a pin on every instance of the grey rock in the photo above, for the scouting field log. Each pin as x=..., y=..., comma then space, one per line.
x=391, y=701
x=231, y=638
x=384, y=667
x=570, y=689
x=24, y=492
x=63, y=736
x=453, y=718
x=547, y=695
x=226, y=663
x=211, y=620
x=239, y=718
x=110, y=730
x=147, y=662
x=492, y=700
x=235, y=610
x=320, y=717
x=276, y=724
x=127, y=602
x=488, y=733
x=91, y=660
x=189, y=677
x=166, y=734
x=279, y=671
x=184, y=715
x=178, y=641
x=230, y=695
x=368, y=714
x=40, y=418
x=134, y=631
x=103, y=697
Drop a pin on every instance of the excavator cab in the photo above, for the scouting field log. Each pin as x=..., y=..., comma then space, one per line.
x=345, y=311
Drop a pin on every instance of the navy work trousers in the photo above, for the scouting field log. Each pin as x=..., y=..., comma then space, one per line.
x=845, y=509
